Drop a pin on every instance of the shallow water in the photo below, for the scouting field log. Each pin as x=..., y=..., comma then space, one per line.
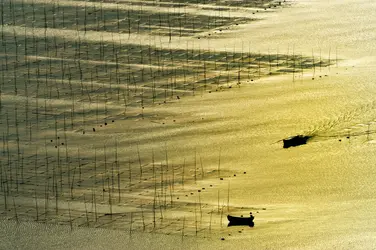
x=317, y=196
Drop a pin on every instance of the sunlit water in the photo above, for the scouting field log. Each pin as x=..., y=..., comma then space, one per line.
x=320, y=195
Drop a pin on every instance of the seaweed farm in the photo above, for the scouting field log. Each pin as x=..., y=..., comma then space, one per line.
x=120, y=115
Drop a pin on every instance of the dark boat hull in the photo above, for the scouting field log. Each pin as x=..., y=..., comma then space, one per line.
x=295, y=141
x=240, y=221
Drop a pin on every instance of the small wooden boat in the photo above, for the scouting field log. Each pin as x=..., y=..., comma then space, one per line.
x=296, y=140
x=240, y=221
